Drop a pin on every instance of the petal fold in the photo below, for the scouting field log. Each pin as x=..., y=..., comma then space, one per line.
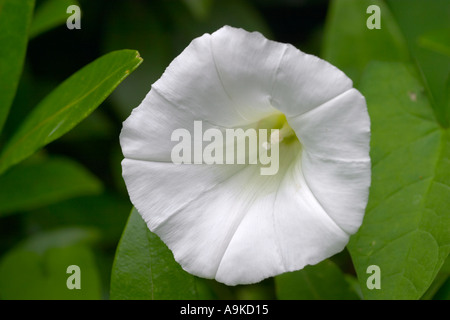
x=304, y=82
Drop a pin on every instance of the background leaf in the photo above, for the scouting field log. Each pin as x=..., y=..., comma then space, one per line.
x=144, y=268
x=44, y=181
x=426, y=29
x=36, y=268
x=49, y=15
x=68, y=104
x=405, y=229
x=324, y=281
x=15, y=18
x=350, y=45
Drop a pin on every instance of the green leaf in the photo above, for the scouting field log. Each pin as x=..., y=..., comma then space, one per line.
x=426, y=29
x=437, y=41
x=350, y=45
x=324, y=281
x=68, y=104
x=36, y=268
x=405, y=228
x=15, y=18
x=49, y=15
x=144, y=268
x=34, y=184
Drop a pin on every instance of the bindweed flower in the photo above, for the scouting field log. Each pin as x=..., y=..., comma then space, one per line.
x=228, y=221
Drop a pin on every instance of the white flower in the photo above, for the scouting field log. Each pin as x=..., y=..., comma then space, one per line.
x=229, y=222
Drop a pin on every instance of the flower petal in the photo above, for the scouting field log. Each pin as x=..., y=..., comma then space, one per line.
x=337, y=129
x=247, y=74
x=336, y=161
x=192, y=84
x=287, y=232
x=231, y=223
x=146, y=133
x=181, y=184
x=341, y=188
x=304, y=81
x=148, y=125
x=200, y=207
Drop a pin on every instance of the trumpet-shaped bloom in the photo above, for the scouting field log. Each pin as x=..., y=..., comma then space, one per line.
x=227, y=221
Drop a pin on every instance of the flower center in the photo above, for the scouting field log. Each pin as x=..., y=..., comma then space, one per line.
x=285, y=133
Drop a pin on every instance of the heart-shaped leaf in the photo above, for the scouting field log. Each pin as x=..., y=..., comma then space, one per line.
x=406, y=226
x=350, y=45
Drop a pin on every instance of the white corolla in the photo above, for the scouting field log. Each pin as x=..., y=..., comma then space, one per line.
x=228, y=221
